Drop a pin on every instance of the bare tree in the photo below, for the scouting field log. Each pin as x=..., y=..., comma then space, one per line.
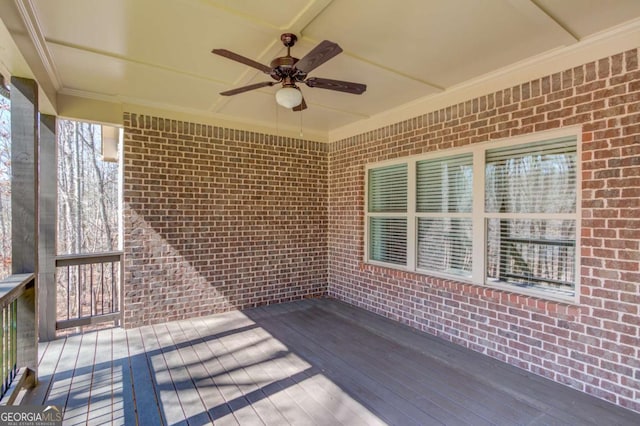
x=5, y=187
x=87, y=191
x=87, y=215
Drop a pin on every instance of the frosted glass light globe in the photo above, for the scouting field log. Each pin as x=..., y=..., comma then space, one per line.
x=289, y=97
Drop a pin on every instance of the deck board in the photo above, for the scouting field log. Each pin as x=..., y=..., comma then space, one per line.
x=49, y=356
x=123, y=410
x=244, y=397
x=100, y=409
x=255, y=366
x=291, y=375
x=253, y=382
x=309, y=362
x=451, y=394
x=144, y=392
x=209, y=330
x=77, y=407
x=166, y=392
x=413, y=382
x=188, y=396
x=60, y=386
x=196, y=356
x=352, y=378
x=556, y=400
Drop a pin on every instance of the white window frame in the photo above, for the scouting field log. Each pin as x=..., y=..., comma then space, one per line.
x=478, y=215
x=411, y=206
x=452, y=215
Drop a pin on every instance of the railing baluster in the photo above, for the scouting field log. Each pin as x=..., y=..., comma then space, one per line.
x=68, y=293
x=79, y=309
x=113, y=288
x=5, y=349
x=91, y=290
x=4, y=358
x=102, y=286
x=14, y=335
x=17, y=289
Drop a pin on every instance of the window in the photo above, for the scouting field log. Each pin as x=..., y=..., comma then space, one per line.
x=388, y=214
x=502, y=214
x=530, y=201
x=444, y=194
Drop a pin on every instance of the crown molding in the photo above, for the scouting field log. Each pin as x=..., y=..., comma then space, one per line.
x=32, y=25
x=75, y=104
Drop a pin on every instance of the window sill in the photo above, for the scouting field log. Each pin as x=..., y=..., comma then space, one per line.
x=540, y=301
x=546, y=294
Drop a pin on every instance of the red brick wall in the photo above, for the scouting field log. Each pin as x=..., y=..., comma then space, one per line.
x=219, y=219
x=593, y=346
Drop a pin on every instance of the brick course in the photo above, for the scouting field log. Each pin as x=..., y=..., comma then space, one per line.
x=218, y=219
x=594, y=345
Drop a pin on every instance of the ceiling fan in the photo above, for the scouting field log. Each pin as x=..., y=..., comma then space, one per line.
x=288, y=71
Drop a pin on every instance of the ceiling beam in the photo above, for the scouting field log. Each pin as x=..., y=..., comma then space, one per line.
x=544, y=18
x=130, y=60
x=306, y=16
x=433, y=86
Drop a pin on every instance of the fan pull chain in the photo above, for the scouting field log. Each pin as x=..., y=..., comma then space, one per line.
x=277, y=129
x=301, y=134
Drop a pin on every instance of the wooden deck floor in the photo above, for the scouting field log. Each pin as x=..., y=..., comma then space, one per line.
x=312, y=362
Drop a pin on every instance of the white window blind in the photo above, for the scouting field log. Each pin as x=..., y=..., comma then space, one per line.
x=445, y=185
x=444, y=245
x=388, y=189
x=444, y=197
x=388, y=240
x=532, y=178
x=387, y=207
x=531, y=189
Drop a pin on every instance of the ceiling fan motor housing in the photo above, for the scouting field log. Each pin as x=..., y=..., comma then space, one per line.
x=288, y=39
x=283, y=67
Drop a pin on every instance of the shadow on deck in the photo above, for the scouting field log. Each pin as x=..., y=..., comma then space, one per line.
x=309, y=362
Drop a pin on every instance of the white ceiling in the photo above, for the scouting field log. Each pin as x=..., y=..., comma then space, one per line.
x=156, y=53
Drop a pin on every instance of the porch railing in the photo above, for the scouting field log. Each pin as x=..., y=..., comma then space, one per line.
x=18, y=351
x=89, y=289
x=555, y=257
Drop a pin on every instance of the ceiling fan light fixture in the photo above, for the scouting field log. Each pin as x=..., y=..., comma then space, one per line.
x=289, y=97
